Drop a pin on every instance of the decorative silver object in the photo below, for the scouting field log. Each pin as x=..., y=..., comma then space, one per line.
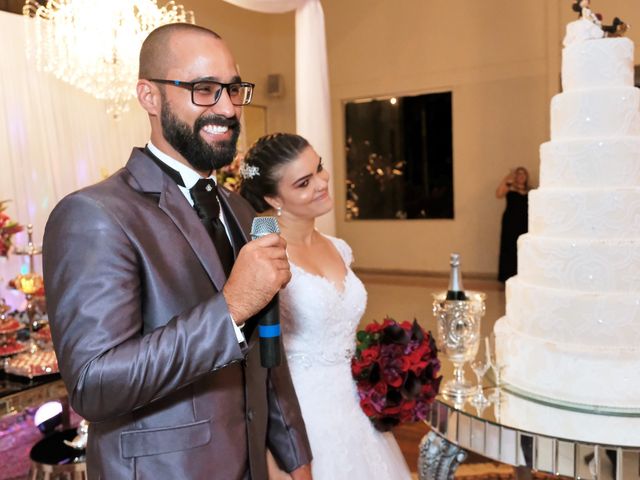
x=458, y=336
x=439, y=458
x=79, y=442
x=30, y=284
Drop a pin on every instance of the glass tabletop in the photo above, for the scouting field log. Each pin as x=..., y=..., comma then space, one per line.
x=521, y=431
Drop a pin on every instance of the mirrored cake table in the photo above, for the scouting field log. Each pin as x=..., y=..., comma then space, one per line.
x=531, y=435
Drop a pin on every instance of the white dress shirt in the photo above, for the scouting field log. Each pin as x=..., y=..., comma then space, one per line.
x=190, y=177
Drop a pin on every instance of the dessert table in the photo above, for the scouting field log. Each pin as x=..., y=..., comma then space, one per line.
x=530, y=435
x=18, y=393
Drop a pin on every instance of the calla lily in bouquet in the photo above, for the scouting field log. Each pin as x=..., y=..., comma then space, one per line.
x=8, y=228
x=396, y=371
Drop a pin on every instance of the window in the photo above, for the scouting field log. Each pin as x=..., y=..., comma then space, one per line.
x=399, y=157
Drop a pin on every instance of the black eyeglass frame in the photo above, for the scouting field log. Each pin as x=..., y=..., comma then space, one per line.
x=191, y=87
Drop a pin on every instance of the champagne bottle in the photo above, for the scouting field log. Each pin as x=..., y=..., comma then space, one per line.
x=455, y=290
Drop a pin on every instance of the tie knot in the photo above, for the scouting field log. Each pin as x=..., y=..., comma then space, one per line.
x=205, y=198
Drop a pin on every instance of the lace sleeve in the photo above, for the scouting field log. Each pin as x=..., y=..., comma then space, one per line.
x=344, y=249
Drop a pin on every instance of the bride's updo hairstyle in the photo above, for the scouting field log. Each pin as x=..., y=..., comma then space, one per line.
x=261, y=165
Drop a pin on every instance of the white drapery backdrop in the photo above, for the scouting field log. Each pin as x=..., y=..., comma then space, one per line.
x=54, y=139
x=313, y=114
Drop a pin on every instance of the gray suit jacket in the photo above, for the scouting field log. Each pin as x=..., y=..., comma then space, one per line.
x=145, y=342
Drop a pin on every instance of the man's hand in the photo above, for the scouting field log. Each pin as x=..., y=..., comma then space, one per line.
x=258, y=273
x=302, y=473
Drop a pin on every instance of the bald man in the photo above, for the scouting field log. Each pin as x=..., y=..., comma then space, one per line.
x=153, y=299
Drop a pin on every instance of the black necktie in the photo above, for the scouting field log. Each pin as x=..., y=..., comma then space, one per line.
x=205, y=200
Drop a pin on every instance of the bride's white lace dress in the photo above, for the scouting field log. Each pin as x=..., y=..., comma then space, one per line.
x=319, y=321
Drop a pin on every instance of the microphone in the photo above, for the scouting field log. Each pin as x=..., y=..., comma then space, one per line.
x=269, y=322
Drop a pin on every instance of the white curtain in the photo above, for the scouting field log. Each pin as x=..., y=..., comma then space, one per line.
x=54, y=139
x=313, y=114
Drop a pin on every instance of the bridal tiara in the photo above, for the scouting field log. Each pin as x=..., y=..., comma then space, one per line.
x=249, y=171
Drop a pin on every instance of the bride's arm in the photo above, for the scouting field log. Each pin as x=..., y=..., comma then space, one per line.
x=273, y=470
x=302, y=473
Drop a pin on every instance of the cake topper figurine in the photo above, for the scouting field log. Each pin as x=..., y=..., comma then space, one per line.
x=617, y=27
x=585, y=13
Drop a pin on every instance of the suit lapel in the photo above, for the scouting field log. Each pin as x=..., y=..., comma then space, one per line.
x=151, y=179
x=234, y=215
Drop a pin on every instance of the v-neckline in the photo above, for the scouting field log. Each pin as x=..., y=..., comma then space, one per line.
x=322, y=277
x=326, y=279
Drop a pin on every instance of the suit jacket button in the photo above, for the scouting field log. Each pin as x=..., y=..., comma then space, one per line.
x=250, y=415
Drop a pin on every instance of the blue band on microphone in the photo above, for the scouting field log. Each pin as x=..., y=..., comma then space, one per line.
x=269, y=331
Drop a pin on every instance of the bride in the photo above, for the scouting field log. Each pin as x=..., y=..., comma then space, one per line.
x=320, y=310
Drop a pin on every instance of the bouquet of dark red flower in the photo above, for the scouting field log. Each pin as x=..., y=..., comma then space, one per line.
x=396, y=370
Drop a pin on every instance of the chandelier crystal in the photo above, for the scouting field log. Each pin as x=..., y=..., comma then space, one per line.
x=94, y=44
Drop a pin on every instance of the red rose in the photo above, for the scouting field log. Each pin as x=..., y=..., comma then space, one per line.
x=381, y=388
x=357, y=368
x=408, y=405
x=393, y=378
x=428, y=390
x=406, y=411
x=373, y=327
x=387, y=322
x=370, y=354
x=405, y=364
x=368, y=407
x=391, y=410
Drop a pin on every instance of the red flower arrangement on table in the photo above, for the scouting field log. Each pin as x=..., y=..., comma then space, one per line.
x=396, y=371
x=8, y=228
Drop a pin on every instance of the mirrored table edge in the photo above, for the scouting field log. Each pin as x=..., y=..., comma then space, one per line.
x=456, y=429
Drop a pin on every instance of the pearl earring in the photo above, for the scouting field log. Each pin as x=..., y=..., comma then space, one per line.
x=279, y=211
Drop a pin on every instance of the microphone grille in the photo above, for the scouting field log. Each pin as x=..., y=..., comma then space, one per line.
x=262, y=226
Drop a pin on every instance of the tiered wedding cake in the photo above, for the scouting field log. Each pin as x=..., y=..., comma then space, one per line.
x=572, y=326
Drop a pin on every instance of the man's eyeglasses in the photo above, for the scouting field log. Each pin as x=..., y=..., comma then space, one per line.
x=207, y=93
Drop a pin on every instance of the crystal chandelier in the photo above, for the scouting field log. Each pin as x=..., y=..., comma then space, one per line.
x=94, y=44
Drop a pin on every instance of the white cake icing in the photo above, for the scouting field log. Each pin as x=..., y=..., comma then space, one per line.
x=605, y=318
x=572, y=326
x=588, y=163
x=582, y=30
x=585, y=213
x=597, y=112
x=597, y=64
x=603, y=265
x=598, y=376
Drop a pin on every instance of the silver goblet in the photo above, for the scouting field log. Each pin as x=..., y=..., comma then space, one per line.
x=458, y=336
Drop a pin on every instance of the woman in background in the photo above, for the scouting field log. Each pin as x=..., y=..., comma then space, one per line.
x=515, y=188
x=320, y=310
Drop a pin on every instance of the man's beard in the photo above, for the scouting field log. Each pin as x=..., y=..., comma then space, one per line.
x=202, y=156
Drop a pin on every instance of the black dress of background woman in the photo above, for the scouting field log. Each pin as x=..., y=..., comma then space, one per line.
x=514, y=187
